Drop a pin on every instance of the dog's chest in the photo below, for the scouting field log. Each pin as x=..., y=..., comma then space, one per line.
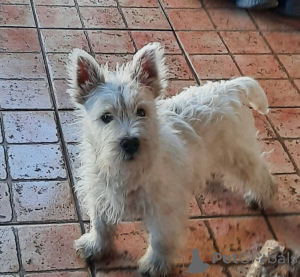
x=136, y=203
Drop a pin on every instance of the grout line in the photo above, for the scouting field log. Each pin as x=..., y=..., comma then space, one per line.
x=269, y=225
x=59, y=127
x=218, y=32
x=178, y=54
x=90, y=264
x=281, y=141
x=185, y=55
x=11, y=201
x=206, y=222
x=126, y=24
x=201, y=217
x=275, y=55
x=83, y=25
x=174, y=79
x=19, y=254
x=80, y=269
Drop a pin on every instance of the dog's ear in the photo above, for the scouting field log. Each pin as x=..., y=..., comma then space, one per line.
x=148, y=68
x=84, y=75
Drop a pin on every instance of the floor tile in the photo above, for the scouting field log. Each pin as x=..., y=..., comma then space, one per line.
x=25, y=95
x=110, y=17
x=260, y=66
x=297, y=82
x=190, y=19
x=59, y=274
x=58, y=17
x=177, y=86
x=284, y=42
x=293, y=147
x=45, y=247
x=165, y=38
x=231, y=19
x=19, y=40
x=101, y=3
x=197, y=236
x=43, y=201
x=247, y=235
x=239, y=270
x=54, y=2
x=182, y=4
x=36, y=162
x=267, y=20
x=118, y=273
x=5, y=207
x=111, y=42
x=214, y=66
x=194, y=209
x=263, y=126
x=130, y=243
x=198, y=42
x=113, y=59
x=22, y=65
x=139, y=3
x=219, y=3
x=178, y=67
x=277, y=159
x=286, y=122
x=212, y=271
x=64, y=40
x=14, y=15
x=287, y=199
x=245, y=42
x=219, y=200
x=285, y=228
x=280, y=93
x=145, y=18
x=13, y=1
x=57, y=65
x=3, y=173
x=24, y=127
x=8, y=252
x=69, y=124
x=292, y=64
x=63, y=99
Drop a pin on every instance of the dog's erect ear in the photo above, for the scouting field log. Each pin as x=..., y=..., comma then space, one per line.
x=149, y=69
x=84, y=74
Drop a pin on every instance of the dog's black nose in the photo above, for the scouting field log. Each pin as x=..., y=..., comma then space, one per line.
x=130, y=145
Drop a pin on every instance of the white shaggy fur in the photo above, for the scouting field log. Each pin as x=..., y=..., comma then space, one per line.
x=183, y=141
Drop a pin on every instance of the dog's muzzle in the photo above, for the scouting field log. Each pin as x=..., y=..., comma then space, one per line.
x=130, y=147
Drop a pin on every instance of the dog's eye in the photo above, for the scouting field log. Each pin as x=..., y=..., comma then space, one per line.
x=141, y=112
x=106, y=118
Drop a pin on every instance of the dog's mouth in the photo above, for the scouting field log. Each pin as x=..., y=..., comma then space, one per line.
x=130, y=158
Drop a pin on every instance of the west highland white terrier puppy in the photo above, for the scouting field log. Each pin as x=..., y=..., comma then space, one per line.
x=145, y=156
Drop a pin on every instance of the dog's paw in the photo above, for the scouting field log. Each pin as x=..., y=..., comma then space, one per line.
x=89, y=246
x=152, y=266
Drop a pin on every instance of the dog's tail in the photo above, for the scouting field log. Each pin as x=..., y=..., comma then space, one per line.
x=252, y=93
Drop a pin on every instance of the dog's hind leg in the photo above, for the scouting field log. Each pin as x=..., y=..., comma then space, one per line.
x=98, y=242
x=248, y=166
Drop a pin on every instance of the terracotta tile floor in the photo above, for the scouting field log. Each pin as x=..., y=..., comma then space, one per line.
x=204, y=39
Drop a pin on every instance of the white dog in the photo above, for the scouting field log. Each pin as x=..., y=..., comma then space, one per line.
x=144, y=155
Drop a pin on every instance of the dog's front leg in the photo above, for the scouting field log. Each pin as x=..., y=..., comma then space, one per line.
x=165, y=232
x=98, y=242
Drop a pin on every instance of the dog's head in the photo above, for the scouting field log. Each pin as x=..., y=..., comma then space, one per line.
x=120, y=118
